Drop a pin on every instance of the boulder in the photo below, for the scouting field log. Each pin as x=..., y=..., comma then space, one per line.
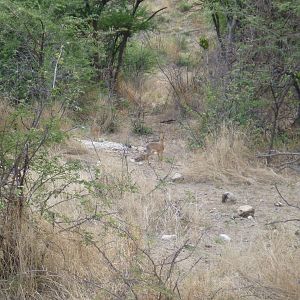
x=168, y=237
x=224, y=237
x=245, y=211
x=177, y=177
x=228, y=197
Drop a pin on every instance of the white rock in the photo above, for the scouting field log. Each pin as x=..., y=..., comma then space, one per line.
x=141, y=149
x=168, y=237
x=245, y=211
x=278, y=204
x=132, y=159
x=105, y=145
x=177, y=177
x=225, y=237
x=228, y=197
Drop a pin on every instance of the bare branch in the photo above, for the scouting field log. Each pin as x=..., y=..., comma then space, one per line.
x=291, y=205
x=56, y=65
x=277, y=153
x=285, y=221
x=155, y=13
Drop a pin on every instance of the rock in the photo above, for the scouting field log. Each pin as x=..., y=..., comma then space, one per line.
x=168, y=237
x=105, y=145
x=278, y=204
x=250, y=218
x=141, y=149
x=246, y=211
x=228, y=197
x=132, y=159
x=177, y=177
x=224, y=237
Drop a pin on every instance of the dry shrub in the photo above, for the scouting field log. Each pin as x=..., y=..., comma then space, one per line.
x=97, y=111
x=57, y=110
x=228, y=158
x=103, y=118
x=185, y=90
x=169, y=46
x=71, y=147
x=58, y=265
x=35, y=277
x=152, y=92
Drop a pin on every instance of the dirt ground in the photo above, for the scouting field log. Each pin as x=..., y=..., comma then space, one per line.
x=193, y=208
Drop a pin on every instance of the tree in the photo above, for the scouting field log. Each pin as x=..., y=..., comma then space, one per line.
x=259, y=45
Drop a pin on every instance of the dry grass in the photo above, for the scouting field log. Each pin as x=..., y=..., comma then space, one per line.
x=268, y=269
x=150, y=94
x=5, y=111
x=228, y=158
x=73, y=264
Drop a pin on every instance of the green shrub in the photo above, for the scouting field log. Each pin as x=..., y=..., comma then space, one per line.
x=141, y=129
x=184, y=60
x=138, y=60
x=203, y=42
x=184, y=6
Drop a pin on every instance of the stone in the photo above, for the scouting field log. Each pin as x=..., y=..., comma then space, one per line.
x=177, y=177
x=278, y=204
x=228, y=197
x=224, y=237
x=246, y=211
x=141, y=149
x=168, y=237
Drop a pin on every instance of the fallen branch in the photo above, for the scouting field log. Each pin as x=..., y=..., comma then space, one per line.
x=287, y=164
x=284, y=221
x=283, y=199
x=277, y=153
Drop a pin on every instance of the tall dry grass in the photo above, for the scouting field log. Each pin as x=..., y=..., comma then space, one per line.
x=227, y=157
x=269, y=268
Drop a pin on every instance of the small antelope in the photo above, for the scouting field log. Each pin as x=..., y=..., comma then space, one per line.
x=152, y=148
x=95, y=131
x=156, y=148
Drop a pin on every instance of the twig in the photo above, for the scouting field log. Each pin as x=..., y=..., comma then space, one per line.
x=295, y=206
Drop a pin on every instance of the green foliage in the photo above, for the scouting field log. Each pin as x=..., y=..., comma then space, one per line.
x=184, y=60
x=121, y=19
x=141, y=129
x=260, y=51
x=203, y=42
x=138, y=60
x=51, y=50
x=184, y=6
x=32, y=43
